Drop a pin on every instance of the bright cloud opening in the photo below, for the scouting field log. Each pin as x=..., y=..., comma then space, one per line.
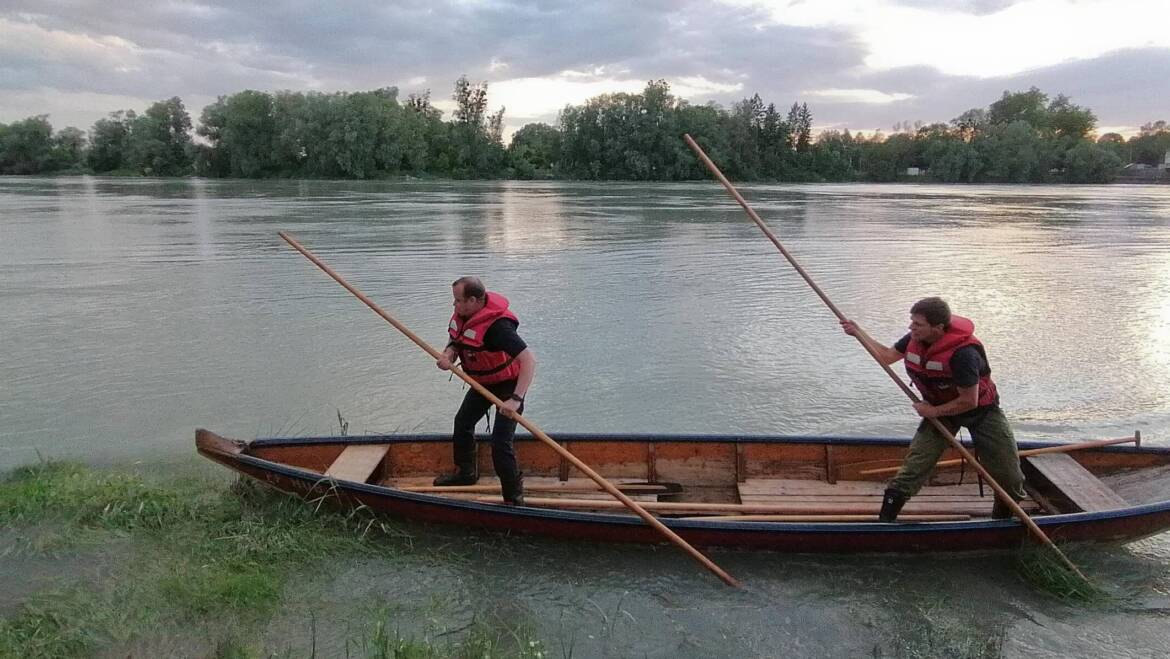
x=1028, y=35
x=541, y=98
x=870, y=96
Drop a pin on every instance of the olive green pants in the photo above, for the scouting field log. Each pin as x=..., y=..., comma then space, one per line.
x=994, y=443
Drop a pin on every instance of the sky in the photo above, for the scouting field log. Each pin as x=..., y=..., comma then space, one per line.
x=862, y=65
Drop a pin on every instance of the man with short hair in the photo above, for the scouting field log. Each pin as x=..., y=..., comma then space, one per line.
x=949, y=367
x=483, y=337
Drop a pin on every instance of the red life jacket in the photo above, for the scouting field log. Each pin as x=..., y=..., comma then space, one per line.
x=929, y=366
x=485, y=366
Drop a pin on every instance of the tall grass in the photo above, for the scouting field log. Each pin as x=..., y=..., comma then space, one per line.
x=199, y=551
x=1044, y=570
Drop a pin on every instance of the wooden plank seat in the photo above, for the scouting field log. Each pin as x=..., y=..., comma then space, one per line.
x=1077, y=484
x=962, y=499
x=357, y=462
x=541, y=486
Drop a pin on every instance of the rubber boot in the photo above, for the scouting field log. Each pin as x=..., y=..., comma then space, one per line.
x=466, y=473
x=513, y=489
x=892, y=503
x=1000, y=510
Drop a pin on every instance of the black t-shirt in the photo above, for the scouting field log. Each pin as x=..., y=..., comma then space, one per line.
x=966, y=363
x=501, y=335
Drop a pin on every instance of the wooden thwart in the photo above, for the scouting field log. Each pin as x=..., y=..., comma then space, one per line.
x=357, y=462
x=1081, y=487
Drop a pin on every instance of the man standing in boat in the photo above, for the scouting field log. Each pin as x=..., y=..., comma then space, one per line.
x=483, y=337
x=949, y=367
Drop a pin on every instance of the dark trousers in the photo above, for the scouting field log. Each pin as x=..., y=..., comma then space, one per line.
x=473, y=409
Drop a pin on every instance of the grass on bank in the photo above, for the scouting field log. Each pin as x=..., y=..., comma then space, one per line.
x=188, y=553
x=1045, y=571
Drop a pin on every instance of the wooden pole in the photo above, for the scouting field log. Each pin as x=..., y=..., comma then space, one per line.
x=531, y=427
x=999, y=491
x=1068, y=448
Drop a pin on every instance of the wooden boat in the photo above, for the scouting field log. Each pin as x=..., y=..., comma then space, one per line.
x=782, y=493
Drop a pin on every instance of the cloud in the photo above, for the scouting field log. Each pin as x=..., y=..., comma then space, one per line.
x=867, y=96
x=982, y=39
x=857, y=63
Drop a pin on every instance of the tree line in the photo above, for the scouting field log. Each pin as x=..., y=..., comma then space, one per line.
x=1023, y=137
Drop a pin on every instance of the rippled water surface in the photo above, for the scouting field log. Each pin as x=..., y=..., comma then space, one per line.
x=133, y=311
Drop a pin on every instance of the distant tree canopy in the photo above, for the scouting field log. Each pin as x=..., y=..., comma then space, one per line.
x=1023, y=137
x=350, y=135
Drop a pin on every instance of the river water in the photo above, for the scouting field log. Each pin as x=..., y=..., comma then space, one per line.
x=133, y=311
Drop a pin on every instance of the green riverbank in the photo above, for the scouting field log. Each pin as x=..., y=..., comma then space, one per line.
x=134, y=563
x=115, y=564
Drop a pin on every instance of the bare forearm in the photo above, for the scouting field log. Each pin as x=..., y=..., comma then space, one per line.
x=885, y=354
x=527, y=372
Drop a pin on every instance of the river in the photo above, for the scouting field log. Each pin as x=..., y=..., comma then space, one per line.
x=135, y=310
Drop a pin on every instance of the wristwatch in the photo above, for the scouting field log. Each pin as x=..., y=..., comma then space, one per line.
x=516, y=397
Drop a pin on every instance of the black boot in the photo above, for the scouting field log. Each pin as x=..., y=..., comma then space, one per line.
x=463, y=476
x=892, y=503
x=1000, y=510
x=513, y=489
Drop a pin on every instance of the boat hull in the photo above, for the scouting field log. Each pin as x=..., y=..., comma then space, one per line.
x=1121, y=525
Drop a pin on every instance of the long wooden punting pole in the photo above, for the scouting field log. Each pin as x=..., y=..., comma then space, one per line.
x=1067, y=448
x=999, y=491
x=531, y=427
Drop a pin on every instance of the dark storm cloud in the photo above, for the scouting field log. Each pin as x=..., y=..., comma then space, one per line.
x=376, y=42
x=200, y=50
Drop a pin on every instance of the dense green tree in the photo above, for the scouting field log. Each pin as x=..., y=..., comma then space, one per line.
x=1029, y=107
x=1013, y=153
x=1021, y=137
x=1087, y=162
x=160, y=140
x=26, y=146
x=475, y=137
x=706, y=125
x=1151, y=145
x=68, y=149
x=970, y=123
x=887, y=160
x=800, y=123
x=835, y=156
x=535, y=151
x=109, y=140
x=241, y=130
x=1067, y=120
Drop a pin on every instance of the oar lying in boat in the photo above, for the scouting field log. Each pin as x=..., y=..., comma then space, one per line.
x=999, y=491
x=530, y=426
x=1023, y=454
x=826, y=519
x=633, y=488
x=697, y=508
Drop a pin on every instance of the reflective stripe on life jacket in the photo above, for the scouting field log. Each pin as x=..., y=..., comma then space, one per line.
x=929, y=366
x=485, y=366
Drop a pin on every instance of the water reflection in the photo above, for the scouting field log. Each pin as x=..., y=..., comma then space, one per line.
x=654, y=308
